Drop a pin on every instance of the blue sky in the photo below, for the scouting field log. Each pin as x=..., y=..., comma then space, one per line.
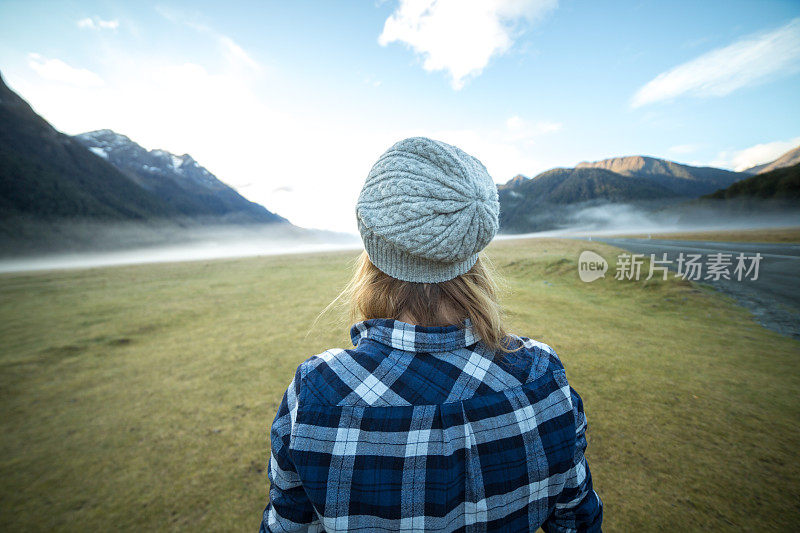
x=291, y=102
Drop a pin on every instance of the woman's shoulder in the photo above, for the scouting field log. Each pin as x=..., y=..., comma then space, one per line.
x=337, y=375
x=328, y=377
x=533, y=357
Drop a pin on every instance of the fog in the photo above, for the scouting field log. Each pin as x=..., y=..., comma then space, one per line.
x=70, y=244
x=593, y=219
x=86, y=245
x=189, y=252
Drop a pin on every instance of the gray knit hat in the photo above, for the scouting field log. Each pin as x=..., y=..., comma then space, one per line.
x=426, y=210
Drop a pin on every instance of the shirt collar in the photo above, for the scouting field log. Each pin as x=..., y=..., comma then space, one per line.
x=413, y=338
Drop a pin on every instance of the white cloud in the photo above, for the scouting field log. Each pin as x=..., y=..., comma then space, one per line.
x=460, y=36
x=58, y=71
x=717, y=73
x=754, y=155
x=96, y=23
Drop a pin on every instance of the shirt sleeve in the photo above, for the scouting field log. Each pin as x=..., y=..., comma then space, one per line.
x=578, y=507
x=289, y=508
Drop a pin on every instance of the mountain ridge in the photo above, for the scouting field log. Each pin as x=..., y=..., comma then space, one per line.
x=185, y=184
x=58, y=195
x=787, y=159
x=782, y=184
x=537, y=201
x=685, y=180
x=549, y=199
x=46, y=173
x=50, y=175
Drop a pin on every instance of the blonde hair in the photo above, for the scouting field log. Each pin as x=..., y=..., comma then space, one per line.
x=373, y=294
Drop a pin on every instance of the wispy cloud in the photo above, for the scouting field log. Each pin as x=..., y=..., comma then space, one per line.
x=234, y=53
x=59, y=71
x=96, y=23
x=754, y=155
x=719, y=72
x=460, y=36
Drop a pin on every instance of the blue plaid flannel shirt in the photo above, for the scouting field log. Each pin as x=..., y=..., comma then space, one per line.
x=423, y=429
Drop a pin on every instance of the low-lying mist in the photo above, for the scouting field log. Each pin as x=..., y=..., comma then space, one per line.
x=592, y=218
x=34, y=245
x=71, y=244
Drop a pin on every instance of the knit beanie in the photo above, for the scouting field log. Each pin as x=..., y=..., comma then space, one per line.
x=426, y=209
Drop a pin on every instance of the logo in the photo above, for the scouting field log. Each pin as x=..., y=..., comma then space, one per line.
x=591, y=266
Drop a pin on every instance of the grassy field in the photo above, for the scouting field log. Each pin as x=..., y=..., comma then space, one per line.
x=777, y=235
x=139, y=398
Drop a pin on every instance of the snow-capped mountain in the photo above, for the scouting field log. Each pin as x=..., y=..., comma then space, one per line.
x=177, y=179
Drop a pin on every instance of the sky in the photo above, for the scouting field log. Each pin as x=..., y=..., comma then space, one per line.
x=291, y=103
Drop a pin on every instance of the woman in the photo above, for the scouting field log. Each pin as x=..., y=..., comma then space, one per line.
x=437, y=419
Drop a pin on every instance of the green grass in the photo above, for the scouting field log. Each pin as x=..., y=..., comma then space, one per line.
x=139, y=398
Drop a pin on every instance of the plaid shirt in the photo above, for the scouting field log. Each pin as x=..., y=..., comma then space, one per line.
x=423, y=429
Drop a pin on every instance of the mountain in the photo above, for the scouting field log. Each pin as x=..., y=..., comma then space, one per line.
x=683, y=180
x=540, y=203
x=186, y=186
x=519, y=179
x=792, y=157
x=48, y=175
x=573, y=185
x=782, y=184
x=535, y=204
x=58, y=195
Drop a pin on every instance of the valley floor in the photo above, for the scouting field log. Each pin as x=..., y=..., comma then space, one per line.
x=138, y=398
